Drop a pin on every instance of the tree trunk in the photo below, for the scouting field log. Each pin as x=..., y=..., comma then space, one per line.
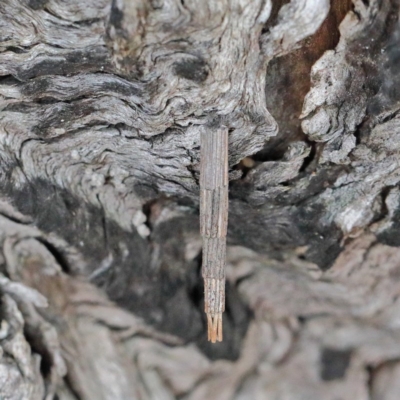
x=102, y=104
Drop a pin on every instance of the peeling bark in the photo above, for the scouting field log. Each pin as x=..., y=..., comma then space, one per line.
x=101, y=107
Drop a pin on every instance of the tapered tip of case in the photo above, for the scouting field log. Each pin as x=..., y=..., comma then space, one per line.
x=214, y=323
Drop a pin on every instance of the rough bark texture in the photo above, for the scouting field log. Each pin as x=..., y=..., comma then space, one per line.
x=101, y=107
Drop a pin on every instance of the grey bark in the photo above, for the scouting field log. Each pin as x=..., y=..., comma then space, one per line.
x=101, y=107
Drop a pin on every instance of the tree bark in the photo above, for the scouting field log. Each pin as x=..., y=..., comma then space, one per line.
x=101, y=107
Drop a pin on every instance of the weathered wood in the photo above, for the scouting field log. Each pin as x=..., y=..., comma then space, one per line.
x=102, y=106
